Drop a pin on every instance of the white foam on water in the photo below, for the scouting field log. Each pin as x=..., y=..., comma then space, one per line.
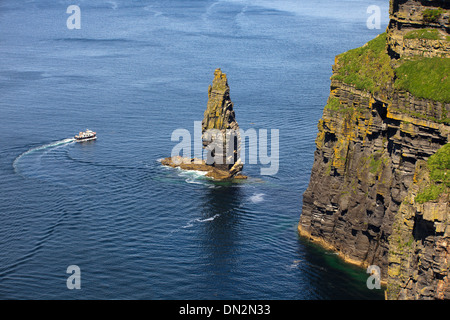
x=193, y=181
x=193, y=176
x=113, y=4
x=192, y=172
x=295, y=264
x=257, y=198
x=208, y=219
x=191, y=222
x=43, y=147
x=188, y=225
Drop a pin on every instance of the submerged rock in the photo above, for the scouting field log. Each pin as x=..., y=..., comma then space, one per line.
x=220, y=136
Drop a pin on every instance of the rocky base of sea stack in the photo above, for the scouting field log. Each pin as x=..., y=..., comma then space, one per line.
x=200, y=165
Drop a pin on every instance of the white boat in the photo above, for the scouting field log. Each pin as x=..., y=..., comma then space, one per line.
x=86, y=136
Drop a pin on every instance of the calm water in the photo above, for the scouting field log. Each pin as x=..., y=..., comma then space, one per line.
x=134, y=72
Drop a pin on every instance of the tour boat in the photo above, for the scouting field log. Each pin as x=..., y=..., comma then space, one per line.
x=86, y=136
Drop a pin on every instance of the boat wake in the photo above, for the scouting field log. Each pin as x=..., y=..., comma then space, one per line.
x=254, y=199
x=39, y=148
x=191, y=223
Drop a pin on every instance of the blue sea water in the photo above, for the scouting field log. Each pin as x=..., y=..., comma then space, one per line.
x=135, y=72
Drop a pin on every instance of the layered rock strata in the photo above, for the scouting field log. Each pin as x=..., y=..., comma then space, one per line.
x=220, y=130
x=417, y=29
x=372, y=135
x=364, y=165
x=419, y=250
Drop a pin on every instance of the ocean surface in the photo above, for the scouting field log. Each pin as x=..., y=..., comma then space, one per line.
x=135, y=72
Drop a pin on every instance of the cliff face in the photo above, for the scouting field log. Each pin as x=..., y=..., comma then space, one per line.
x=419, y=256
x=377, y=126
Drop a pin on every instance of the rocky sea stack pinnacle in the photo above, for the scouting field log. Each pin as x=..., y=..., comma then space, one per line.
x=220, y=136
x=379, y=187
x=220, y=128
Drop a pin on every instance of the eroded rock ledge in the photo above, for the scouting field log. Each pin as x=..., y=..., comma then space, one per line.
x=200, y=165
x=408, y=22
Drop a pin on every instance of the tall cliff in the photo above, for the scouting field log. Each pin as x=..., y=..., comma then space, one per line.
x=386, y=115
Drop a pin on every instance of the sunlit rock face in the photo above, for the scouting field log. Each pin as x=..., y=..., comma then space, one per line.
x=219, y=126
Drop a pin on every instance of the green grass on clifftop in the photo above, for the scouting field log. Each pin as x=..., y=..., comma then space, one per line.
x=367, y=68
x=439, y=166
x=427, y=78
x=430, y=34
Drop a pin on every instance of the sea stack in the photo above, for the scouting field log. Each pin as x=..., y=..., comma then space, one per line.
x=220, y=136
x=220, y=130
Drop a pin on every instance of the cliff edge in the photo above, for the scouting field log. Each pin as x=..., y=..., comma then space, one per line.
x=387, y=114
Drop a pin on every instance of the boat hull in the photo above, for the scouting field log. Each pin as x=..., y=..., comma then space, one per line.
x=85, y=139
